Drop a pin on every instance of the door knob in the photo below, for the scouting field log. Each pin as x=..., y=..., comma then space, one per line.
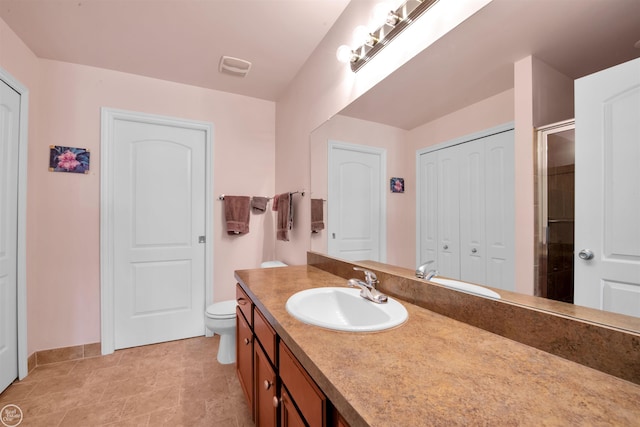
x=585, y=254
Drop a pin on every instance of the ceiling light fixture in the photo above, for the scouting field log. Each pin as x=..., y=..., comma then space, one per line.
x=397, y=20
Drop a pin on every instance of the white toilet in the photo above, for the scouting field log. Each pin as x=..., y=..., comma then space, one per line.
x=220, y=318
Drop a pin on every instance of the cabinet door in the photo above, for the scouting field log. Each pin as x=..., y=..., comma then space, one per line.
x=500, y=210
x=449, y=213
x=244, y=357
x=472, y=211
x=266, y=398
x=289, y=413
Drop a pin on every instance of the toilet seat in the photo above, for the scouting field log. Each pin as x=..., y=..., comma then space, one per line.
x=222, y=310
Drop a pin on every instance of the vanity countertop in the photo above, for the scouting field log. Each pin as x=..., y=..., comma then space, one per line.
x=434, y=370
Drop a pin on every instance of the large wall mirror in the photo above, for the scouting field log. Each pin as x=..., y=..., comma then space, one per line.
x=460, y=86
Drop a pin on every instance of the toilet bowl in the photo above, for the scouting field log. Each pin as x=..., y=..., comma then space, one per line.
x=220, y=318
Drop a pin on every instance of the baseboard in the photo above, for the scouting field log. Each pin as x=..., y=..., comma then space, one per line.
x=63, y=354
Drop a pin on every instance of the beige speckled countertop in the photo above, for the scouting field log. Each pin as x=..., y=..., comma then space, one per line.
x=434, y=370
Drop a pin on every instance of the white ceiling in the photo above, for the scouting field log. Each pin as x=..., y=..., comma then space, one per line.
x=179, y=40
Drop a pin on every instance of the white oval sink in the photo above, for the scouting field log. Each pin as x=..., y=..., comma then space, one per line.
x=466, y=287
x=343, y=309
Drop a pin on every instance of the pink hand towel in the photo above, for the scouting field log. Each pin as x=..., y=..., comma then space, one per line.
x=236, y=212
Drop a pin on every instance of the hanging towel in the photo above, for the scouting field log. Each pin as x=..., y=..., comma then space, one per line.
x=285, y=216
x=274, y=207
x=259, y=204
x=236, y=212
x=317, y=215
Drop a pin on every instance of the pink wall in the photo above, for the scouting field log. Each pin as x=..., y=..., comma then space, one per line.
x=355, y=131
x=63, y=210
x=65, y=264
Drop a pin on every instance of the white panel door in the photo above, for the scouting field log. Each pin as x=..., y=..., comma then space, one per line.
x=608, y=189
x=500, y=210
x=9, y=134
x=448, y=213
x=159, y=199
x=472, y=212
x=428, y=215
x=357, y=203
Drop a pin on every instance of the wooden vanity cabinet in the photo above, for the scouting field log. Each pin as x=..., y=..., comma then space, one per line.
x=278, y=389
x=266, y=385
x=289, y=415
x=244, y=357
x=309, y=399
x=266, y=396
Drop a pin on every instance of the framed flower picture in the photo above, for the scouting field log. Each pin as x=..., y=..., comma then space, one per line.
x=397, y=185
x=68, y=159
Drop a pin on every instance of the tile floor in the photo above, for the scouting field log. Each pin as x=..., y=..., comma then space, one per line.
x=179, y=383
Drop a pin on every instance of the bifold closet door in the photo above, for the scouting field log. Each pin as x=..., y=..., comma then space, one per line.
x=472, y=211
x=428, y=218
x=448, y=213
x=500, y=210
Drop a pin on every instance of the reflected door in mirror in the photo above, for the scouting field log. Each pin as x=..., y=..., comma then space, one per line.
x=356, y=210
x=607, y=258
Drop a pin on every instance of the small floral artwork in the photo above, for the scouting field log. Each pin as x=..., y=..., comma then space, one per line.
x=68, y=159
x=397, y=185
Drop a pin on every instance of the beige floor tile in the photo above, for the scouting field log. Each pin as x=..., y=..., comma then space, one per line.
x=49, y=420
x=145, y=403
x=128, y=387
x=17, y=391
x=172, y=384
x=94, y=414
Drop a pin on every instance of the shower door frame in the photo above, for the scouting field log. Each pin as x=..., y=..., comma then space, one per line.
x=541, y=202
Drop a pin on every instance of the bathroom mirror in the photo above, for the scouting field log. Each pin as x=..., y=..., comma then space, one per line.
x=473, y=64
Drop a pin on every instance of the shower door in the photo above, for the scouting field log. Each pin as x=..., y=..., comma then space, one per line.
x=556, y=200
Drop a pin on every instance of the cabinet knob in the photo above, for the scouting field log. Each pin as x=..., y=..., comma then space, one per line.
x=445, y=247
x=474, y=250
x=276, y=401
x=267, y=384
x=247, y=341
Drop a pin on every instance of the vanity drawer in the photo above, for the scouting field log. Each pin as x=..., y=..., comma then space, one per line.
x=244, y=304
x=265, y=333
x=303, y=390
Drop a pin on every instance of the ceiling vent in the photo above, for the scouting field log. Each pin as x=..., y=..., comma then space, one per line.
x=234, y=66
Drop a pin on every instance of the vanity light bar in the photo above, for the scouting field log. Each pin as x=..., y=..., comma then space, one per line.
x=397, y=21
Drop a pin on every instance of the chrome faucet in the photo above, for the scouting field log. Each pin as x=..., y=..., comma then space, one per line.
x=422, y=273
x=368, y=287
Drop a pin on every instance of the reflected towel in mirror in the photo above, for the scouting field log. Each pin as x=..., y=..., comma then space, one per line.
x=317, y=215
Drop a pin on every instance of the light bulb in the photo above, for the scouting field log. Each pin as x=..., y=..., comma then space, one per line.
x=344, y=54
x=379, y=14
x=360, y=35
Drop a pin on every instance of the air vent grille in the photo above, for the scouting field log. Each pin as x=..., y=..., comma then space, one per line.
x=234, y=66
